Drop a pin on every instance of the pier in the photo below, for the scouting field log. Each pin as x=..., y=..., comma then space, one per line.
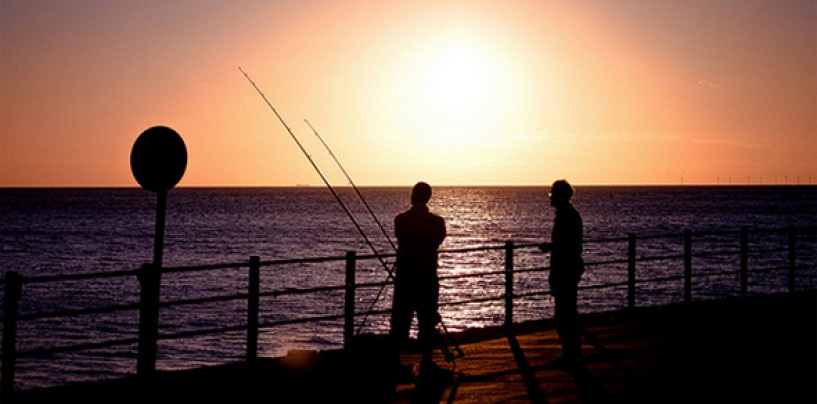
x=743, y=345
x=758, y=349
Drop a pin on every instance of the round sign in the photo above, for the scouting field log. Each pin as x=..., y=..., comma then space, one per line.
x=158, y=159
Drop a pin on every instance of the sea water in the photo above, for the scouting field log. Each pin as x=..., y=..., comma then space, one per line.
x=74, y=231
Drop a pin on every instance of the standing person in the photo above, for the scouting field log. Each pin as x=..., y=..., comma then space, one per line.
x=566, y=268
x=416, y=286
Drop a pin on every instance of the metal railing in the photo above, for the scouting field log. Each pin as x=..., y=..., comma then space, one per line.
x=150, y=284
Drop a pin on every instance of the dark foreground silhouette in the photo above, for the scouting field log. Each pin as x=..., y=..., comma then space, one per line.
x=566, y=269
x=416, y=286
x=758, y=349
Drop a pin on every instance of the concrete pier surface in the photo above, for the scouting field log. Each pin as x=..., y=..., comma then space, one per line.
x=756, y=349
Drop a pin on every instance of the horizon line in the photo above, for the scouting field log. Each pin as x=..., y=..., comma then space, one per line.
x=136, y=186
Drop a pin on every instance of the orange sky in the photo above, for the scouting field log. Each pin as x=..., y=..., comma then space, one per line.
x=453, y=93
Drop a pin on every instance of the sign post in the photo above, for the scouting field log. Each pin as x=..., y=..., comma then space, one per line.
x=158, y=161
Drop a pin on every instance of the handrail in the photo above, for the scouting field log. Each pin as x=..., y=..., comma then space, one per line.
x=11, y=317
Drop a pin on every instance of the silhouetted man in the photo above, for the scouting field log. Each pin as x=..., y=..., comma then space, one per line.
x=566, y=268
x=416, y=286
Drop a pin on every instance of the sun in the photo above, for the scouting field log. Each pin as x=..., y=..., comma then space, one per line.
x=453, y=90
x=458, y=84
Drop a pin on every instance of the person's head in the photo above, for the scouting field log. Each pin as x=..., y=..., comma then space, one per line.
x=420, y=194
x=560, y=193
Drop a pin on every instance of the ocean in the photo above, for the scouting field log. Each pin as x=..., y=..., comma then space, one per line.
x=74, y=231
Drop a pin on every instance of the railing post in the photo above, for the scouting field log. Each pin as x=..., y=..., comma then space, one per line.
x=13, y=290
x=150, y=280
x=349, y=306
x=687, y=266
x=744, y=262
x=792, y=259
x=631, y=271
x=253, y=291
x=509, y=284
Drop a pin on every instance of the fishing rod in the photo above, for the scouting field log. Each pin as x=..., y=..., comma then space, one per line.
x=362, y=199
x=352, y=183
x=338, y=199
x=444, y=336
x=320, y=173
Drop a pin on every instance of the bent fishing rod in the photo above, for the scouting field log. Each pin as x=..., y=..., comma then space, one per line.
x=320, y=173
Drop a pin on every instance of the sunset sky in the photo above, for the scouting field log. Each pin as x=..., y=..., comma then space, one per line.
x=448, y=92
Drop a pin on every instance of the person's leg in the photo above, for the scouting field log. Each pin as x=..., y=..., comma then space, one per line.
x=401, y=316
x=570, y=333
x=427, y=318
x=566, y=318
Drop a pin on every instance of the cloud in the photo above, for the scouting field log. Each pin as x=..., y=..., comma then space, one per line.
x=708, y=83
x=541, y=135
